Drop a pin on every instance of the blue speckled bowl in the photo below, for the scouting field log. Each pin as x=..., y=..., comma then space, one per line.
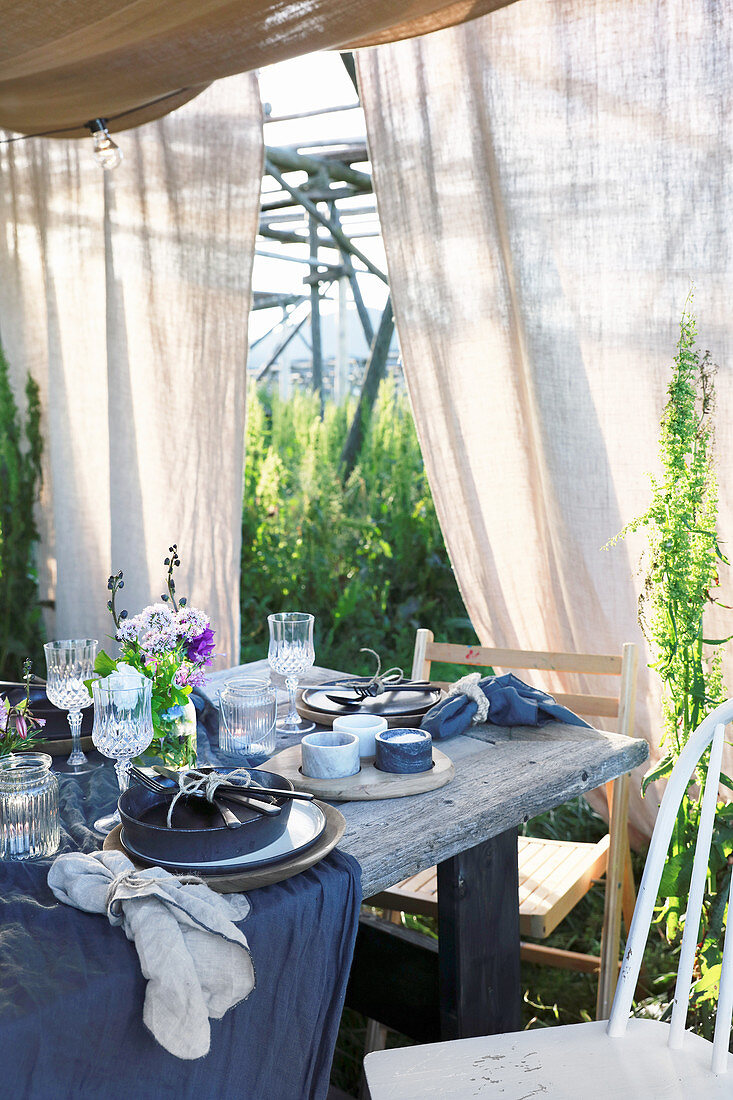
x=404, y=756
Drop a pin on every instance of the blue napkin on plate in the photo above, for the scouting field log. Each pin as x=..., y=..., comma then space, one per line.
x=511, y=703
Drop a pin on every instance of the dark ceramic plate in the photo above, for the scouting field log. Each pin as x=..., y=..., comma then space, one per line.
x=198, y=834
x=306, y=824
x=57, y=724
x=390, y=704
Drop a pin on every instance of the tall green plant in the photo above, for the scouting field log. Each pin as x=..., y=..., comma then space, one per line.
x=21, y=447
x=684, y=556
x=367, y=558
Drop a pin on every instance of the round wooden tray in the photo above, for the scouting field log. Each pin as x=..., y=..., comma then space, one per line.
x=368, y=784
x=260, y=876
x=321, y=718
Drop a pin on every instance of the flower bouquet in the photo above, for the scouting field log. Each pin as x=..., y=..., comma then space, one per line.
x=170, y=643
x=19, y=728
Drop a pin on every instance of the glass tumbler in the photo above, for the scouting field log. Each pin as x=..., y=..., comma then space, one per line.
x=247, y=714
x=29, y=806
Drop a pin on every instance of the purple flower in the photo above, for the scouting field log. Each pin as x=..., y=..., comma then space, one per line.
x=20, y=726
x=4, y=708
x=201, y=647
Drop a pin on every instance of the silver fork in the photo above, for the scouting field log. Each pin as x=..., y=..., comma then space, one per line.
x=230, y=819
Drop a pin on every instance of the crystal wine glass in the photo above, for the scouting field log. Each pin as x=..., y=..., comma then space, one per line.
x=69, y=663
x=290, y=653
x=123, y=728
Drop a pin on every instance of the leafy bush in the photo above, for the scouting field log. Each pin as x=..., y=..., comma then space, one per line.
x=21, y=447
x=366, y=558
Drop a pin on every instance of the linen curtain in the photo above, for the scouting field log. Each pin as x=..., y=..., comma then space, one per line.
x=550, y=179
x=64, y=64
x=126, y=295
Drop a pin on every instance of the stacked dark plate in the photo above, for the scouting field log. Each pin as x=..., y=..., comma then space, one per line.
x=333, y=699
x=200, y=841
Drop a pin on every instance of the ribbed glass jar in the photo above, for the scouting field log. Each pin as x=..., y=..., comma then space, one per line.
x=29, y=806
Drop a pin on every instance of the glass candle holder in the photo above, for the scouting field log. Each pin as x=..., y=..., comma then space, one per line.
x=247, y=714
x=29, y=806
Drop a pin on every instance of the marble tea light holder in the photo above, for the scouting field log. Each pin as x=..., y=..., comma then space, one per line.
x=366, y=727
x=404, y=751
x=329, y=755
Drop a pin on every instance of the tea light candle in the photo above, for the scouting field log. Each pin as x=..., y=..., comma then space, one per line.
x=404, y=750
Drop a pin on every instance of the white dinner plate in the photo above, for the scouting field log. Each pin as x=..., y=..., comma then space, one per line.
x=305, y=824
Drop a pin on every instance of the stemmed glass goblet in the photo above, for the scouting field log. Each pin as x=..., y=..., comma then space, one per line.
x=123, y=728
x=290, y=653
x=69, y=663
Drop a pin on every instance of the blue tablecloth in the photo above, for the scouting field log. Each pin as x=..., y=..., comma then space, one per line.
x=71, y=991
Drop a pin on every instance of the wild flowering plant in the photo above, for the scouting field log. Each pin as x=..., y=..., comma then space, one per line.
x=170, y=643
x=684, y=557
x=19, y=728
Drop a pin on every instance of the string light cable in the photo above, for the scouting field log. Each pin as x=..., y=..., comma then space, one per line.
x=106, y=153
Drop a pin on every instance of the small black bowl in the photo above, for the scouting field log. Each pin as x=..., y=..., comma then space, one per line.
x=198, y=834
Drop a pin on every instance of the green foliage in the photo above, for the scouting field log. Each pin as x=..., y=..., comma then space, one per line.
x=366, y=558
x=21, y=447
x=684, y=557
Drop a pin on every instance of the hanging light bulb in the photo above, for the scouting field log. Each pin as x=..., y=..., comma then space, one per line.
x=106, y=153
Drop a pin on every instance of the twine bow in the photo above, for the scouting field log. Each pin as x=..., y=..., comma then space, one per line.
x=206, y=785
x=380, y=679
x=137, y=883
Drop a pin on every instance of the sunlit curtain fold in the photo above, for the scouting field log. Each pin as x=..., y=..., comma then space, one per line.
x=126, y=295
x=550, y=179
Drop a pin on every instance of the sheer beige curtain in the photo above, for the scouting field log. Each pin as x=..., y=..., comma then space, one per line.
x=126, y=295
x=550, y=179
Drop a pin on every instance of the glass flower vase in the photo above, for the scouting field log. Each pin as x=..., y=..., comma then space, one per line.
x=174, y=741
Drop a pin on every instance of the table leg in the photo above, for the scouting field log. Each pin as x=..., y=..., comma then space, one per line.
x=478, y=908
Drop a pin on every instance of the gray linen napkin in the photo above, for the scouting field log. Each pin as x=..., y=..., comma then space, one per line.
x=196, y=960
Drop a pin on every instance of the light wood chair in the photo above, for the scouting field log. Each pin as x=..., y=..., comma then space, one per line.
x=625, y=1059
x=553, y=874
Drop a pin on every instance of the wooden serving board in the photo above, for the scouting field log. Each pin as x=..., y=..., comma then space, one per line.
x=239, y=881
x=321, y=718
x=367, y=785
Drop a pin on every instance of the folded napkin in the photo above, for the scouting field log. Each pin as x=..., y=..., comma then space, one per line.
x=504, y=700
x=196, y=960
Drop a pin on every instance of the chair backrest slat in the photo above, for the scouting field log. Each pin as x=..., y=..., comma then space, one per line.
x=597, y=664
x=697, y=892
x=678, y=782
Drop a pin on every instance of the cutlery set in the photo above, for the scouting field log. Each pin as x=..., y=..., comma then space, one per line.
x=263, y=800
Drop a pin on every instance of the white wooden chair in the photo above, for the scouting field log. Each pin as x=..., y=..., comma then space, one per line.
x=622, y=1059
x=553, y=874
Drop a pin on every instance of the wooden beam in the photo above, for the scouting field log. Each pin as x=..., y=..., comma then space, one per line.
x=336, y=232
x=361, y=309
x=373, y=375
x=291, y=161
x=315, y=292
x=317, y=194
x=280, y=348
x=480, y=989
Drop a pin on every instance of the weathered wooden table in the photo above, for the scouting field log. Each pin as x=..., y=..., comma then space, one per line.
x=503, y=778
